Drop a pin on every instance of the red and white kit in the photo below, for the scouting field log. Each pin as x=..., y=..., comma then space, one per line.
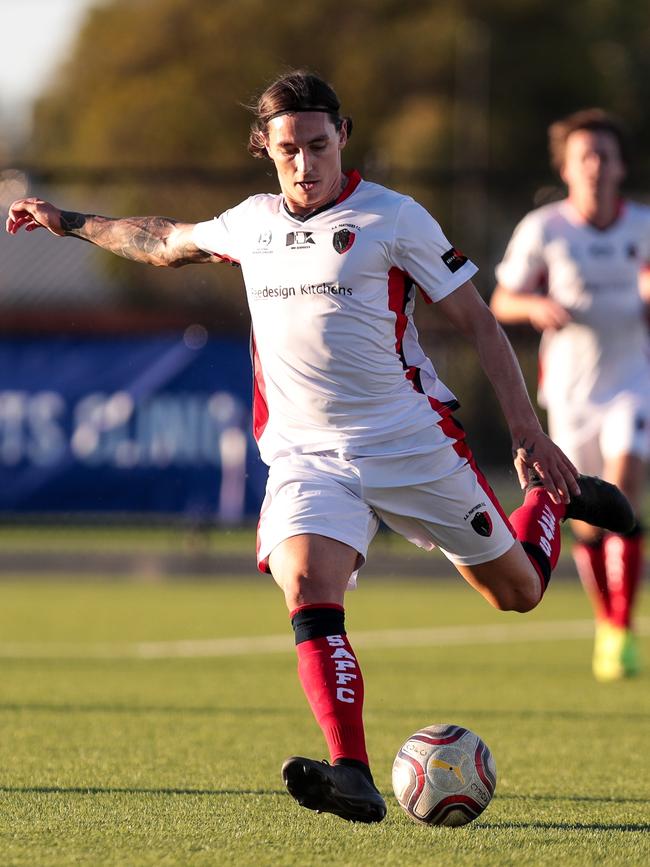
x=340, y=374
x=595, y=371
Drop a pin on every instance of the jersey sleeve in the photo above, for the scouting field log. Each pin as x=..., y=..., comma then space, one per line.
x=523, y=267
x=222, y=235
x=422, y=250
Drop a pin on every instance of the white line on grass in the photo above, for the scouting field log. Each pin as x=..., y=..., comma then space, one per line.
x=440, y=636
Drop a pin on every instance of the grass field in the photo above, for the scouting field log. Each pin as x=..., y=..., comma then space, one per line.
x=138, y=730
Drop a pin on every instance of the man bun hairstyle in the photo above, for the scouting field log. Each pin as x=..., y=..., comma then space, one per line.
x=592, y=120
x=295, y=91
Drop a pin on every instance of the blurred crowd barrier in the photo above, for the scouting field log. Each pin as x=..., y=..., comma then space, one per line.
x=128, y=424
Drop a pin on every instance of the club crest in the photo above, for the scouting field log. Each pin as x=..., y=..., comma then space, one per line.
x=343, y=240
x=482, y=524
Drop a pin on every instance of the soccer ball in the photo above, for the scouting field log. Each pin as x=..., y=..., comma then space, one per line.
x=444, y=775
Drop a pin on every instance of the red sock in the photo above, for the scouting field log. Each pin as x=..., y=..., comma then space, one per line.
x=331, y=678
x=589, y=558
x=624, y=566
x=537, y=525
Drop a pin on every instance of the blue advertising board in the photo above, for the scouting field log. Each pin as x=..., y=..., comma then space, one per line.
x=124, y=424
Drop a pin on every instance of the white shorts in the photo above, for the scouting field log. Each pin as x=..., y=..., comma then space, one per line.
x=589, y=436
x=425, y=486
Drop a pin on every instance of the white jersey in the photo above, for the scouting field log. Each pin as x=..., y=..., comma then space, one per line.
x=337, y=363
x=594, y=274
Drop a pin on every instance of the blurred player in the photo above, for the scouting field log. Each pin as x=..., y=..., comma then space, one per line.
x=348, y=411
x=577, y=270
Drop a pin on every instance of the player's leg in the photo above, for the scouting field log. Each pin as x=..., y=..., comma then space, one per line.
x=577, y=433
x=451, y=505
x=589, y=558
x=623, y=552
x=313, y=572
x=457, y=511
x=624, y=443
x=601, y=442
x=617, y=650
x=509, y=582
x=517, y=580
x=313, y=535
x=537, y=526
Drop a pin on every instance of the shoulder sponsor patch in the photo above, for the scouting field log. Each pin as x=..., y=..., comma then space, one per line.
x=453, y=259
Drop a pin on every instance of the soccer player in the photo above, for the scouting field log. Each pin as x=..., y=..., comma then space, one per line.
x=348, y=411
x=577, y=271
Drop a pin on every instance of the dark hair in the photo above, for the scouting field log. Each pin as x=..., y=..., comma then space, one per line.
x=295, y=91
x=592, y=120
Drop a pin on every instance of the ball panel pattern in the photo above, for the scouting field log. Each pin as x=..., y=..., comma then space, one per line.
x=444, y=775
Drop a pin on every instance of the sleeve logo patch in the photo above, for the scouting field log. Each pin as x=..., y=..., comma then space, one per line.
x=453, y=259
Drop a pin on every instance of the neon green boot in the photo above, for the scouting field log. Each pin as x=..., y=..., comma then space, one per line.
x=616, y=653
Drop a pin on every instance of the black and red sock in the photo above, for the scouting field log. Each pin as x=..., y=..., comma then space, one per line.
x=537, y=525
x=331, y=679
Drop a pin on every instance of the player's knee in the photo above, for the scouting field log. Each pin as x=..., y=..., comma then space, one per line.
x=520, y=597
x=301, y=588
x=293, y=588
x=296, y=592
x=525, y=602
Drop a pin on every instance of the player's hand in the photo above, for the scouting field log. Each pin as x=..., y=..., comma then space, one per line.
x=544, y=312
x=536, y=454
x=33, y=213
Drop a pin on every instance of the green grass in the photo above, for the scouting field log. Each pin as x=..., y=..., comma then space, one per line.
x=127, y=761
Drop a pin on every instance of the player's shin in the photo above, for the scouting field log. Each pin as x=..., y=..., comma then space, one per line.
x=624, y=567
x=331, y=679
x=589, y=559
x=537, y=526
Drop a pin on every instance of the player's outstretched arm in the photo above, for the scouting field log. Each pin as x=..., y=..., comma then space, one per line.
x=154, y=240
x=540, y=311
x=532, y=449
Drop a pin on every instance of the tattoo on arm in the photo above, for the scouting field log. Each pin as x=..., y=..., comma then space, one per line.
x=71, y=220
x=528, y=448
x=141, y=239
